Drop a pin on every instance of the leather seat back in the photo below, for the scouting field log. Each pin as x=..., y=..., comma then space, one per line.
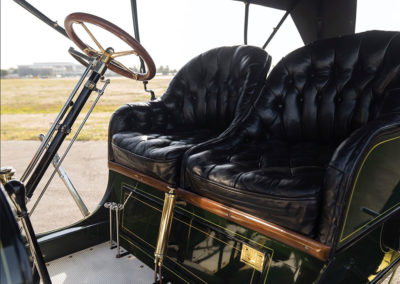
x=324, y=91
x=214, y=88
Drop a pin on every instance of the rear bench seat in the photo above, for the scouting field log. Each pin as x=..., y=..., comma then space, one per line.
x=288, y=161
x=288, y=157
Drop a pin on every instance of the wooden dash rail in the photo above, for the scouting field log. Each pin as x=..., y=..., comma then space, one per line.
x=293, y=239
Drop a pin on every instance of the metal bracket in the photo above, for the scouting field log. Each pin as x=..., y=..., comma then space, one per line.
x=65, y=129
x=89, y=84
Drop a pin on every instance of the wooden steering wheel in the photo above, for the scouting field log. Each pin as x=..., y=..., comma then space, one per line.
x=114, y=65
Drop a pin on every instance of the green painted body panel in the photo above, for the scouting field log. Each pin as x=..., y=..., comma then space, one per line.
x=376, y=191
x=203, y=247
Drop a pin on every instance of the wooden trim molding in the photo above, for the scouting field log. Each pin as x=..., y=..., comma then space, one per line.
x=293, y=239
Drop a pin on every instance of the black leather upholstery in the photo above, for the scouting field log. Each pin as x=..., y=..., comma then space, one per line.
x=288, y=160
x=211, y=92
x=272, y=179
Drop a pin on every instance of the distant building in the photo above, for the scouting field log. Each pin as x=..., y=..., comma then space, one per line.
x=50, y=69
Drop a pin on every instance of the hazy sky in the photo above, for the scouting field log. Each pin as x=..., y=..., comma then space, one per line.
x=173, y=31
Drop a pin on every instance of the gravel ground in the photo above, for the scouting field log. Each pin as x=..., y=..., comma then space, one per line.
x=86, y=166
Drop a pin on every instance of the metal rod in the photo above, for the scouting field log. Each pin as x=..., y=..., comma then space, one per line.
x=110, y=205
x=275, y=29
x=117, y=209
x=136, y=31
x=111, y=234
x=135, y=20
x=294, y=4
x=69, y=146
x=165, y=227
x=142, y=68
x=246, y=20
x=61, y=114
x=68, y=183
x=41, y=16
x=129, y=196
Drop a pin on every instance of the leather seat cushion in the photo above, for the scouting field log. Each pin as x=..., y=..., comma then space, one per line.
x=157, y=155
x=274, y=180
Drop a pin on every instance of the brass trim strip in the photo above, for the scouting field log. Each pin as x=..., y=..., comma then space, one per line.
x=296, y=240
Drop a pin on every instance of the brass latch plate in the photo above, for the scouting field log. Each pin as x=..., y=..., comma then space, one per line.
x=252, y=257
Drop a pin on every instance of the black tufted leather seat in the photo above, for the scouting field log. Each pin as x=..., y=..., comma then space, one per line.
x=286, y=162
x=212, y=91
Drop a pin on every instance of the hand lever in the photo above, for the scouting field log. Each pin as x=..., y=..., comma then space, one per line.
x=16, y=191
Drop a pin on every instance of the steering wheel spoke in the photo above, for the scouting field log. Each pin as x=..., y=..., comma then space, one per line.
x=92, y=36
x=122, y=66
x=123, y=53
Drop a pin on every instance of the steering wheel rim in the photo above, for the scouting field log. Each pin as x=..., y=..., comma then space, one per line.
x=114, y=65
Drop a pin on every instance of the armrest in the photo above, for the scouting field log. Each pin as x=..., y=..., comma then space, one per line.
x=343, y=168
x=137, y=117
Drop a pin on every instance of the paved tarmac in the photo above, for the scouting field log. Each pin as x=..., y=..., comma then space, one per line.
x=86, y=166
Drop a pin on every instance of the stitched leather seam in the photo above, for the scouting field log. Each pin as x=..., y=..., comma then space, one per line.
x=224, y=187
x=208, y=173
x=237, y=178
x=142, y=157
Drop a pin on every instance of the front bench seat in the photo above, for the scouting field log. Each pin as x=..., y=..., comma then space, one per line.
x=208, y=94
x=285, y=162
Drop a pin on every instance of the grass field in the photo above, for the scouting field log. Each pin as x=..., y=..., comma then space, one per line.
x=29, y=106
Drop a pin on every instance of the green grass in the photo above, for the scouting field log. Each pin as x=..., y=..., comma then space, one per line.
x=29, y=106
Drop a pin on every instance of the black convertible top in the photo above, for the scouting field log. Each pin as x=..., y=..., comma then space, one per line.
x=317, y=19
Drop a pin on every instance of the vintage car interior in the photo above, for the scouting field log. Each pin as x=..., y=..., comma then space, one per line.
x=210, y=93
x=237, y=173
x=291, y=158
x=287, y=161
